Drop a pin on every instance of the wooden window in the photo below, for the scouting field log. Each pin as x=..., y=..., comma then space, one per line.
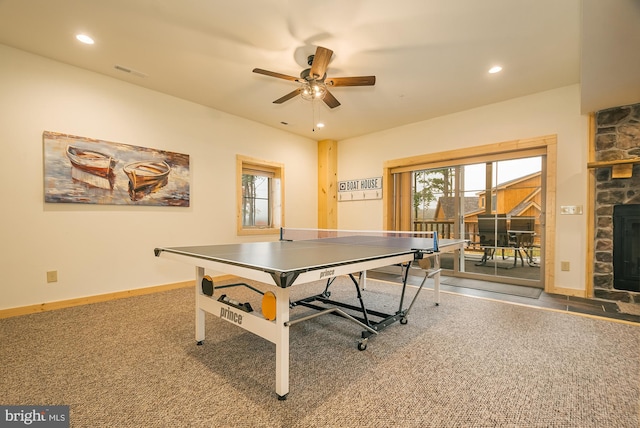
x=260, y=196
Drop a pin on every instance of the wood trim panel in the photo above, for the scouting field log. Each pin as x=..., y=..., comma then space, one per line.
x=405, y=201
x=551, y=167
x=387, y=200
x=616, y=162
x=327, y=184
x=469, y=155
x=591, y=206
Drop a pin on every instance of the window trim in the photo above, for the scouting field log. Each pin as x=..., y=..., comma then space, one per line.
x=272, y=168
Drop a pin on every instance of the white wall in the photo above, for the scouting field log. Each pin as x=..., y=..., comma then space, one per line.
x=552, y=112
x=99, y=249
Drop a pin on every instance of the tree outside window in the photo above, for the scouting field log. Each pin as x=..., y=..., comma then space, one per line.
x=256, y=210
x=260, y=196
x=428, y=186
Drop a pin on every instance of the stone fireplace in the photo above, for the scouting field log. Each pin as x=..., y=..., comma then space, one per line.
x=617, y=193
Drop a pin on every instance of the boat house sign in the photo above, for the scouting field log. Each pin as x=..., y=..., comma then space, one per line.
x=360, y=189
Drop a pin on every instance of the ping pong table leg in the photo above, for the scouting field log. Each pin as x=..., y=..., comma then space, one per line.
x=436, y=278
x=199, y=312
x=282, y=343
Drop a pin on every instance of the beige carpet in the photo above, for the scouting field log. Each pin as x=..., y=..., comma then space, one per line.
x=466, y=363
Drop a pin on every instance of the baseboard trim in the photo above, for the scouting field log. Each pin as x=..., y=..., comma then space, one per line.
x=61, y=304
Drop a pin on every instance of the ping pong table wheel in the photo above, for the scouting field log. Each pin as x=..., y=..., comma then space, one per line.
x=362, y=346
x=200, y=342
x=403, y=320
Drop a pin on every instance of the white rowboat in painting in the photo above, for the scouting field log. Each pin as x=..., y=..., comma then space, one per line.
x=93, y=162
x=147, y=174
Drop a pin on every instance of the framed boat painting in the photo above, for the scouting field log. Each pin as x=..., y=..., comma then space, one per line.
x=89, y=171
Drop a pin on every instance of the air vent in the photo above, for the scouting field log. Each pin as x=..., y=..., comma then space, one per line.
x=130, y=71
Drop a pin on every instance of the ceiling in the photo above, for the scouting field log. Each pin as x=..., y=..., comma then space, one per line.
x=430, y=57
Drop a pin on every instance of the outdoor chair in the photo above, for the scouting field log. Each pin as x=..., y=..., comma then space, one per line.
x=521, y=233
x=492, y=230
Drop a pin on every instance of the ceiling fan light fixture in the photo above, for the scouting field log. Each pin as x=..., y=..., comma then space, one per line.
x=313, y=90
x=312, y=81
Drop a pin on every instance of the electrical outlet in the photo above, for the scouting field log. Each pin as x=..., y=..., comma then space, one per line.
x=52, y=276
x=565, y=266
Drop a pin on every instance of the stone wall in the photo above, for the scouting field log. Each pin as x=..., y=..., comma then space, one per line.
x=617, y=137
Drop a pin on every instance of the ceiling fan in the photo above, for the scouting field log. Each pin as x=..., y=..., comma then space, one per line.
x=314, y=82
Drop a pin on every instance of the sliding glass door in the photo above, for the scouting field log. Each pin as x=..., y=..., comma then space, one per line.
x=496, y=205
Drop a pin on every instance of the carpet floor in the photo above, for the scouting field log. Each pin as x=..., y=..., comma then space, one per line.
x=466, y=363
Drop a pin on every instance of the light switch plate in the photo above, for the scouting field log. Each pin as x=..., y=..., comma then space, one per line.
x=571, y=209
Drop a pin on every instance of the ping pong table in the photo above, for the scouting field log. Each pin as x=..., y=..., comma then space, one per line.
x=303, y=256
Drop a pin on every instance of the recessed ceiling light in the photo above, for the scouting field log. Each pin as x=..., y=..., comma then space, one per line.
x=495, y=69
x=320, y=125
x=85, y=39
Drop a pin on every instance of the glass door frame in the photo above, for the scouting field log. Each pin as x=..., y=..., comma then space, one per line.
x=396, y=182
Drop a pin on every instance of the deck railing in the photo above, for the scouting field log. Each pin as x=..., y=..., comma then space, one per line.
x=445, y=229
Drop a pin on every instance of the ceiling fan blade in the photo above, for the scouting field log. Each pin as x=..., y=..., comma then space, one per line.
x=320, y=62
x=351, y=81
x=287, y=97
x=330, y=100
x=274, y=74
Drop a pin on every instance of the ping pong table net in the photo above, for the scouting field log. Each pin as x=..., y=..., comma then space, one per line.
x=301, y=234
